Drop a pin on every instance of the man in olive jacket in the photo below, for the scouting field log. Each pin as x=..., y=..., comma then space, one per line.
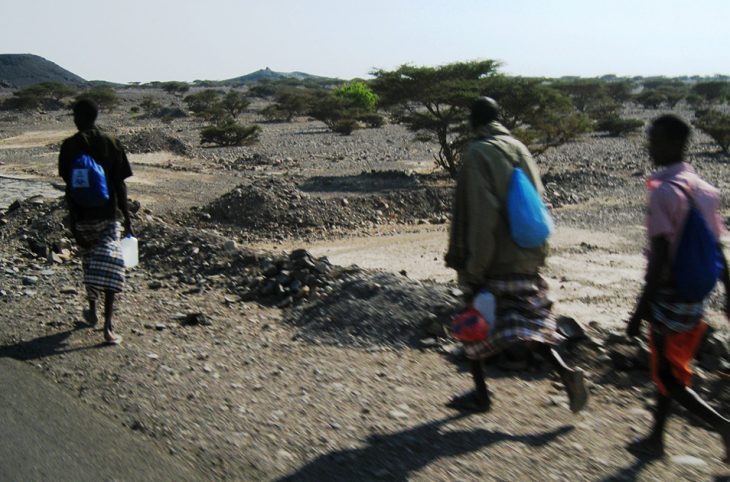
x=485, y=256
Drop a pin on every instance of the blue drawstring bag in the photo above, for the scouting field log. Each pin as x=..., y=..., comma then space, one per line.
x=697, y=261
x=88, y=182
x=529, y=220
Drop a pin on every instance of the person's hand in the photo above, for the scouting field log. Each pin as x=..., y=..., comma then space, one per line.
x=128, y=228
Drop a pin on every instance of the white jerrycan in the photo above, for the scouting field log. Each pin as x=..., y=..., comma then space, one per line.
x=130, y=251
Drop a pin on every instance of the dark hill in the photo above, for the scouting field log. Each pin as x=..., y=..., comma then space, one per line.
x=268, y=74
x=23, y=70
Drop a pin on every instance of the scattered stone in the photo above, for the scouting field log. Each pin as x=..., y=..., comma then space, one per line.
x=688, y=460
x=68, y=290
x=29, y=280
x=193, y=319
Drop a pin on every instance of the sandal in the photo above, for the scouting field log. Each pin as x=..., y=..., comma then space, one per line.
x=470, y=402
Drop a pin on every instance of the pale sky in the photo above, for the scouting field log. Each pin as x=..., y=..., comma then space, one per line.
x=147, y=40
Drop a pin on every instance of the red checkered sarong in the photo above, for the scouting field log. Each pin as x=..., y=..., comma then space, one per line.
x=523, y=314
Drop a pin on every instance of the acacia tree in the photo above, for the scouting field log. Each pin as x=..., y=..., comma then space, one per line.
x=540, y=116
x=716, y=125
x=289, y=103
x=434, y=101
x=234, y=103
x=105, y=97
x=201, y=101
x=48, y=95
x=175, y=88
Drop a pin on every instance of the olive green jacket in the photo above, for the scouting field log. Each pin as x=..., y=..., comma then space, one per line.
x=480, y=244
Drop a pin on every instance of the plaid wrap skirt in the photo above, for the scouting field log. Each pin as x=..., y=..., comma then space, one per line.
x=102, y=261
x=523, y=313
x=669, y=314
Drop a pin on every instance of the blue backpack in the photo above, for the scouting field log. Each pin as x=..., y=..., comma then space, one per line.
x=529, y=220
x=88, y=187
x=697, y=261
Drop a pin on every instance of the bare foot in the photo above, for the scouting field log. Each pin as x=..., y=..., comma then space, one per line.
x=647, y=448
x=90, y=317
x=111, y=338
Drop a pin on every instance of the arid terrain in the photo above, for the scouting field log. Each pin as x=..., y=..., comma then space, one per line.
x=250, y=359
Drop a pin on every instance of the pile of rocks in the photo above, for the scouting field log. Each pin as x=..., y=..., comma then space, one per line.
x=153, y=140
x=38, y=229
x=278, y=205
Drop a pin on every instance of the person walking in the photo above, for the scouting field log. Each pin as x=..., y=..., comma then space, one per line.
x=676, y=327
x=485, y=256
x=94, y=167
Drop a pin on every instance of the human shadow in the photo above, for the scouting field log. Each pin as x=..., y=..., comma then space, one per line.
x=394, y=456
x=45, y=346
x=630, y=472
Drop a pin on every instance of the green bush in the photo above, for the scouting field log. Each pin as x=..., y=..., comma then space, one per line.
x=229, y=133
x=617, y=126
x=358, y=95
x=716, y=125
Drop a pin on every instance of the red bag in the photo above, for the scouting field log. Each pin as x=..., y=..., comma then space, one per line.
x=470, y=325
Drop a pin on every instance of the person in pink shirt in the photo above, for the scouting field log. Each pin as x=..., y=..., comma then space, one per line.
x=676, y=327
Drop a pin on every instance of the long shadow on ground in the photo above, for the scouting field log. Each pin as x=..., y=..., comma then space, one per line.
x=394, y=456
x=45, y=346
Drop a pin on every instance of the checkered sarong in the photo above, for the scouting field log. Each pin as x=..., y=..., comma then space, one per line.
x=523, y=314
x=671, y=315
x=102, y=262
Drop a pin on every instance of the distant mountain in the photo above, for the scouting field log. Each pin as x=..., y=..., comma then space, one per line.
x=268, y=74
x=23, y=70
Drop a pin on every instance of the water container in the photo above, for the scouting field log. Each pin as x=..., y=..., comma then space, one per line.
x=130, y=251
x=485, y=303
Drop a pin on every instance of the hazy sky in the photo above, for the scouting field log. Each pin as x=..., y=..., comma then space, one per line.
x=145, y=40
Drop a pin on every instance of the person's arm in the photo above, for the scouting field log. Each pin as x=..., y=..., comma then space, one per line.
x=63, y=171
x=123, y=204
x=658, y=259
x=481, y=218
x=725, y=277
x=122, y=172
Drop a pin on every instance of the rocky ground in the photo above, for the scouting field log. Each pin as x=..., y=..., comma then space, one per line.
x=247, y=350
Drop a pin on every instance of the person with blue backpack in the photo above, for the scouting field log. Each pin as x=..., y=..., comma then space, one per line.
x=94, y=168
x=497, y=245
x=685, y=260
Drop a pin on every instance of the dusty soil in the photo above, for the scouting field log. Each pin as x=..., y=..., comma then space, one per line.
x=349, y=382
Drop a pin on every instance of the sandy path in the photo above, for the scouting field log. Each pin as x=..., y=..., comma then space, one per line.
x=35, y=139
x=594, y=276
